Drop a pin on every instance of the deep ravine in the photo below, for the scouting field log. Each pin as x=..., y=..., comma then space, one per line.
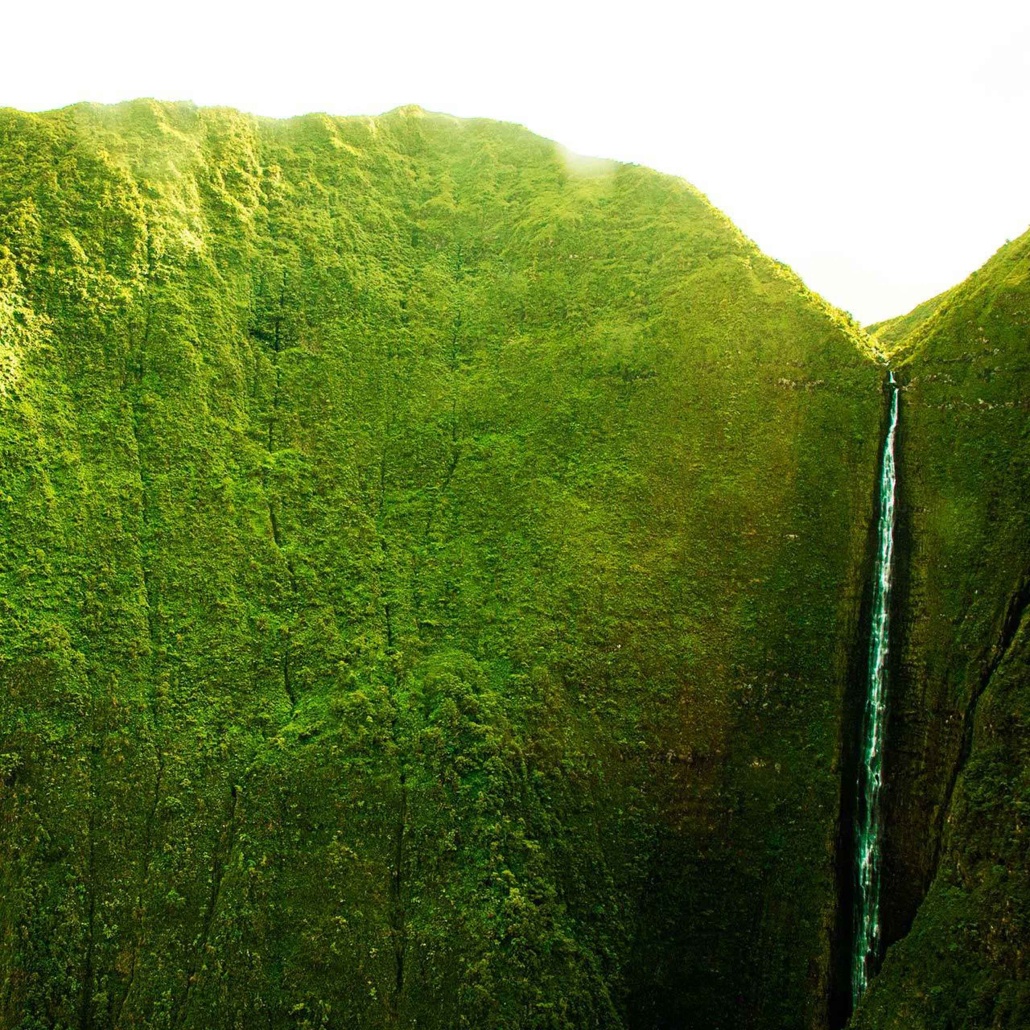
x=866, y=949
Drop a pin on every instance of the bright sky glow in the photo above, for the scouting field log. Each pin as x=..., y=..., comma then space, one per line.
x=880, y=148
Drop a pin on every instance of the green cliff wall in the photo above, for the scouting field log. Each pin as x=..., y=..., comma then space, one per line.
x=429, y=569
x=958, y=753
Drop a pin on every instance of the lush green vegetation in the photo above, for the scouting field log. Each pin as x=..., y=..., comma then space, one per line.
x=958, y=757
x=429, y=570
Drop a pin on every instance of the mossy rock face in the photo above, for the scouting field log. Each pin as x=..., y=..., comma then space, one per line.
x=429, y=570
x=958, y=762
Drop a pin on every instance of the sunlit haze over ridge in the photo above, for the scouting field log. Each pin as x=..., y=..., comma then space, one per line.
x=880, y=149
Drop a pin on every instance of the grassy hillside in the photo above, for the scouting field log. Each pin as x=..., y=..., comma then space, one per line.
x=958, y=761
x=429, y=569
x=892, y=332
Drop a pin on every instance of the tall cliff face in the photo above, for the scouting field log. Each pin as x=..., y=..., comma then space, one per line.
x=958, y=761
x=429, y=570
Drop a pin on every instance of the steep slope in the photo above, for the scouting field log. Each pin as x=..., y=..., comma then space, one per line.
x=892, y=332
x=958, y=760
x=430, y=570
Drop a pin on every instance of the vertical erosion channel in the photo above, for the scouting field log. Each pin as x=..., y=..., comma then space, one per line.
x=866, y=952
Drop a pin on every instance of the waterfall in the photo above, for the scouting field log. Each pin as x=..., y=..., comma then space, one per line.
x=870, y=769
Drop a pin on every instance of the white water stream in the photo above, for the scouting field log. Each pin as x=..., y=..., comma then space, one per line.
x=870, y=771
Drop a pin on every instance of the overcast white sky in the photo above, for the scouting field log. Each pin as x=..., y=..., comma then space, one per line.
x=881, y=147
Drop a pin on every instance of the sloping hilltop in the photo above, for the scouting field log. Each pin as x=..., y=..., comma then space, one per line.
x=957, y=767
x=430, y=575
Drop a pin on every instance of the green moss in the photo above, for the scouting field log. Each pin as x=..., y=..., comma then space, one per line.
x=429, y=569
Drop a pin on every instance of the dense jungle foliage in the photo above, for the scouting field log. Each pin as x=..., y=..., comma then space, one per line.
x=430, y=567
